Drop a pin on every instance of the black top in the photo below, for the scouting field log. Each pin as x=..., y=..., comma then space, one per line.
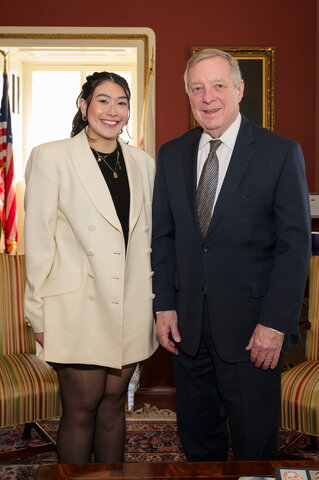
x=119, y=187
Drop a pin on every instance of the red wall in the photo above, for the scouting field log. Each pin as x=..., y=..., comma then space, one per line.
x=287, y=25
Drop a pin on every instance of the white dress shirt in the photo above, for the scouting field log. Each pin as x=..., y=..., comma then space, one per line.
x=224, y=152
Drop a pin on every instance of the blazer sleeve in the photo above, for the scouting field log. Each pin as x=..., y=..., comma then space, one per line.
x=163, y=243
x=283, y=300
x=41, y=205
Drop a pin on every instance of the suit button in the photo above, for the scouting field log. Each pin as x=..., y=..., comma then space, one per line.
x=92, y=297
x=204, y=290
x=205, y=248
x=90, y=253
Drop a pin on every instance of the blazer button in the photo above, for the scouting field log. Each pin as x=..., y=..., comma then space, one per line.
x=90, y=253
x=92, y=228
x=146, y=229
x=92, y=297
x=152, y=274
x=149, y=250
x=204, y=290
x=205, y=248
x=152, y=296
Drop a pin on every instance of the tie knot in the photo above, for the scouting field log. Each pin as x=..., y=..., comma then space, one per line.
x=214, y=144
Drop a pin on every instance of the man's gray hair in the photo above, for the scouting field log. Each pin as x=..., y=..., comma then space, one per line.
x=211, y=53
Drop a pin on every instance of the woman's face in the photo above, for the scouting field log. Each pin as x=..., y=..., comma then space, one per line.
x=107, y=113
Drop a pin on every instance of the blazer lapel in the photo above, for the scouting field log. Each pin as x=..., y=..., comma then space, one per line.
x=136, y=188
x=242, y=154
x=90, y=175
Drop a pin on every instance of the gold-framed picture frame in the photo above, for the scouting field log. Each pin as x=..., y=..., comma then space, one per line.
x=257, y=65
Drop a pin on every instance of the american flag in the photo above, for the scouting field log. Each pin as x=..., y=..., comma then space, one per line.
x=8, y=209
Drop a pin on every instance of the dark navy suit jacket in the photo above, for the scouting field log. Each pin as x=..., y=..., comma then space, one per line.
x=253, y=263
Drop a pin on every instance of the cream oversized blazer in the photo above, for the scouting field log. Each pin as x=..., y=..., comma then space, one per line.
x=92, y=300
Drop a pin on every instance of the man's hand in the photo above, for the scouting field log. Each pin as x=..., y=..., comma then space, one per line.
x=265, y=346
x=167, y=330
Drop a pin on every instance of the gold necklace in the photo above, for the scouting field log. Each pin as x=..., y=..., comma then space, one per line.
x=101, y=157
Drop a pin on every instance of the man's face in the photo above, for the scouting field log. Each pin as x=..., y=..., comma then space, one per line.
x=213, y=96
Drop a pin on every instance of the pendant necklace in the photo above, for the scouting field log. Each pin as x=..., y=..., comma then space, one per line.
x=102, y=157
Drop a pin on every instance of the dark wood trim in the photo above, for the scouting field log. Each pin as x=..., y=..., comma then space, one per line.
x=173, y=470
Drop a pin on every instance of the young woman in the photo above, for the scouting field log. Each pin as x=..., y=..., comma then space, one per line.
x=89, y=286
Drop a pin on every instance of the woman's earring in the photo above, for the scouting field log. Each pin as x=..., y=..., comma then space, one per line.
x=84, y=117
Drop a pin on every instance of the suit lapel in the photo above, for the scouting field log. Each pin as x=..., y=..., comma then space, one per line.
x=242, y=154
x=190, y=167
x=90, y=175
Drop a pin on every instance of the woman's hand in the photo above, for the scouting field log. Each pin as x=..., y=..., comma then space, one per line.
x=39, y=337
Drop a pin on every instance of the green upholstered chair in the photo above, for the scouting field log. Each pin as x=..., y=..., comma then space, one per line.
x=29, y=389
x=300, y=384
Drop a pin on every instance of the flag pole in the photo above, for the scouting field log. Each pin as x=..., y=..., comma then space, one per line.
x=4, y=54
x=7, y=180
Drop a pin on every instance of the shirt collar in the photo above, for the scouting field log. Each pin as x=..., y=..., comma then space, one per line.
x=228, y=137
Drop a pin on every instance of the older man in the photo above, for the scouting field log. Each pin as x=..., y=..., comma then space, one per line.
x=231, y=246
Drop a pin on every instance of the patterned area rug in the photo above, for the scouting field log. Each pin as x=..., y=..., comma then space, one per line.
x=151, y=437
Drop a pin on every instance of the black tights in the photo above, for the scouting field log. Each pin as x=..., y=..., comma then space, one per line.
x=93, y=418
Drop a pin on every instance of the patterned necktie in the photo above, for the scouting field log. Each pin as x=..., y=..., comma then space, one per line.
x=207, y=185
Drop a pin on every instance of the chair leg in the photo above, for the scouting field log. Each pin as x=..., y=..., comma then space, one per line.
x=285, y=450
x=43, y=434
x=313, y=442
x=48, y=446
x=27, y=431
x=289, y=447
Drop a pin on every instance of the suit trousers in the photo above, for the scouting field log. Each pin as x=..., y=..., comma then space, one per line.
x=215, y=398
